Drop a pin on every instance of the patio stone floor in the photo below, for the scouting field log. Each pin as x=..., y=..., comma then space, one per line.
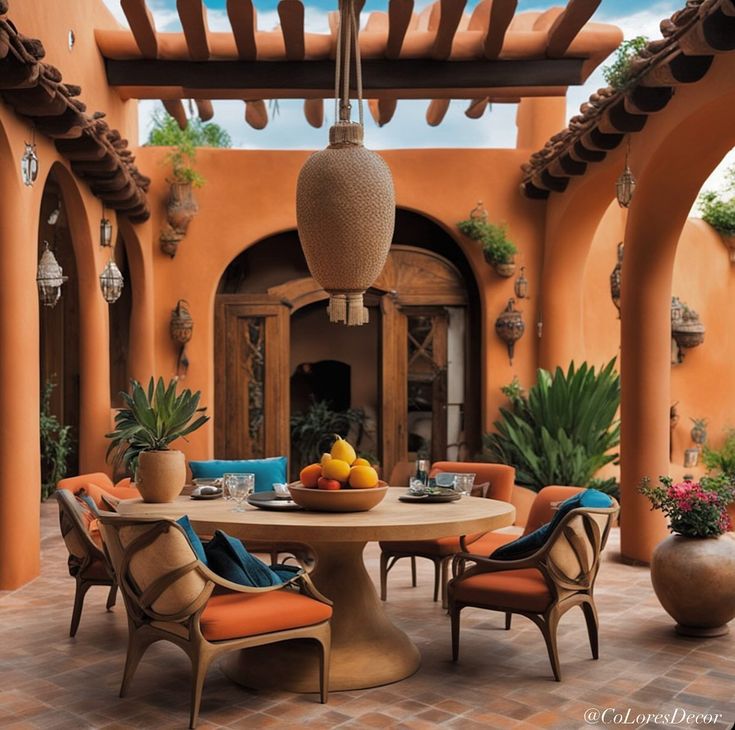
x=503, y=679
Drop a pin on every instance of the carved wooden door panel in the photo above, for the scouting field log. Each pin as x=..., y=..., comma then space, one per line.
x=252, y=377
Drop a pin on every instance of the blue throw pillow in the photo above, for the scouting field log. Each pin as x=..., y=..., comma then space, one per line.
x=193, y=538
x=267, y=471
x=529, y=544
x=228, y=557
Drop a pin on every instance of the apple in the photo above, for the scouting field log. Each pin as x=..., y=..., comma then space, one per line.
x=323, y=483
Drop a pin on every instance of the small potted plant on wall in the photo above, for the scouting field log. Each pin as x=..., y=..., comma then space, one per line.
x=498, y=249
x=151, y=420
x=719, y=212
x=693, y=570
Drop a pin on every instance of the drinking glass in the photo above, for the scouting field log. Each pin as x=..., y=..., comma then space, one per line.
x=226, y=481
x=463, y=484
x=422, y=470
x=241, y=487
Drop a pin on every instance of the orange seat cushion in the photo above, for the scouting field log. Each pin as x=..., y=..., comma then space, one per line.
x=525, y=590
x=444, y=546
x=489, y=542
x=233, y=615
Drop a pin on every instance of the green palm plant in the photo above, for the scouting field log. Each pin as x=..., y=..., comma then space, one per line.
x=151, y=419
x=563, y=431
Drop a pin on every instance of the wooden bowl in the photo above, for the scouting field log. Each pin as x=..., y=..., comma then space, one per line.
x=337, y=500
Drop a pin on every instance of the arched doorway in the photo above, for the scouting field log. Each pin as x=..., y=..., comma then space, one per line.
x=59, y=325
x=411, y=370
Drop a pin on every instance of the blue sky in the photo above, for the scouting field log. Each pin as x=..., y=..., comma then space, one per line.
x=289, y=130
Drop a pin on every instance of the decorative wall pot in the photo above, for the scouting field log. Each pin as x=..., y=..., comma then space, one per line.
x=504, y=269
x=510, y=327
x=180, y=209
x=694, y=579
x=170, y=239
x=688, y=332
x=699, y=431
x=691, y=458
x=160, y=475
x=677, y=311
x=616, y=279
x=181, y=329
x=345, y=212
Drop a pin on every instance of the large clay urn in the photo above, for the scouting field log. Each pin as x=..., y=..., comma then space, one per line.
x=694, y=578
x=345, y=211
x=161, y=475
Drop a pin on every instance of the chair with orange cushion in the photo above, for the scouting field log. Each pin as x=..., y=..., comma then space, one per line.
x=500, y=479
x=170, y=595
x=97, y=484
x=557, y=576
x=87, y=562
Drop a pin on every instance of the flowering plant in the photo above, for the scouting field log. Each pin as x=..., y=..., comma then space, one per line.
x=694, y=509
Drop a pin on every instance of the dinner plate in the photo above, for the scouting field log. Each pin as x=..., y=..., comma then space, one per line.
x=270, y=500
x=429, y=498
x=197, y=494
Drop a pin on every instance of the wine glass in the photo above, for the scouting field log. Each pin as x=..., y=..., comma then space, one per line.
x=226, y=482
x=463, y=484
x=241, y=487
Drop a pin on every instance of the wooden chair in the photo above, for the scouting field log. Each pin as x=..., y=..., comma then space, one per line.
x=441, y=550
x=87, y=562
x=170, y=595
x=543, y=586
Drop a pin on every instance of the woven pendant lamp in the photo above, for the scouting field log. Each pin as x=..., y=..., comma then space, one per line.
x=345, y=202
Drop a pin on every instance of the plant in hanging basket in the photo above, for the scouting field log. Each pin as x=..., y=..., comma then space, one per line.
x=719, y=212
x=499, y=251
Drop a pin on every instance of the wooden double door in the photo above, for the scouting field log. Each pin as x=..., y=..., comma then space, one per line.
x=252, y=354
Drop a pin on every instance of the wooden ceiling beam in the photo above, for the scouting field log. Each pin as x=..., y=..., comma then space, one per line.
x=382, y=110
x=436, y=111
x=291, y=15
x=477, y=108
x=193, y=16
x=399, y=17
x=499, y=19
x=450, y=15
x=566, y=27
x=256, y=114
x=314, y=112
x=142, y=26
x=205, y=110
x=243, y=21
x=306, y=79
x=176, y=109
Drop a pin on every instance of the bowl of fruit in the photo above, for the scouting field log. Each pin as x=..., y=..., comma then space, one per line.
x=340, y=482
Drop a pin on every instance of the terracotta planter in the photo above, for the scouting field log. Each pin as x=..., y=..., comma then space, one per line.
x=181, y=206
x=694, y=578
x=161, y=475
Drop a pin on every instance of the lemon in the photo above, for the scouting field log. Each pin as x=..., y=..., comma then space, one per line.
x=336, y=469
x=343, y=451
x=361, y=462
x=363, y=477
x=325, y=458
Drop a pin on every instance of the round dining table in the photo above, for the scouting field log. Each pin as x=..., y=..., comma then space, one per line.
x=368, y=649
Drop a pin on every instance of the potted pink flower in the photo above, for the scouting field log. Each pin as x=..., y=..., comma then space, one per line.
x=693, y=570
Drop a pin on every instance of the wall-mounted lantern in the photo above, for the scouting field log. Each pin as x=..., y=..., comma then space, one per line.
x=616, y=279
x=29, y=164
x=181, y=328
x=50, y=278
x=510, y=327
x=625, y=186
x=105, y=230
x=111, y=282
x=521, y=285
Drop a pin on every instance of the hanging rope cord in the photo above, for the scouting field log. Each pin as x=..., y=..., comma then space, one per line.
x=347, y=37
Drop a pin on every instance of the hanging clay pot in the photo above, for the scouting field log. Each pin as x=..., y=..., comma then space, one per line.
x=181, y=206
x=688, y=332
x=506, y=269
x=169, y=240
x=510, y=327
x=345, y=212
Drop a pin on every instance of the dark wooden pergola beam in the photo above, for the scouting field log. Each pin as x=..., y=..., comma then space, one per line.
x=379, y=75
x=566, y=27
x=500, y=16
x=142, y=26
x=243, y=22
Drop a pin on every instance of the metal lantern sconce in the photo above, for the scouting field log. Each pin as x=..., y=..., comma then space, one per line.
x=105, y=230
x=616, y=279
x=510, y=327
x=50, y=278
x=625, y=186
x=29, y=163
x=521, y=285
x=111, y=282
x=181, y=328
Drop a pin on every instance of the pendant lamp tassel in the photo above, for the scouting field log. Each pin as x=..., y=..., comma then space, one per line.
x=338, y=308
x=355, y=310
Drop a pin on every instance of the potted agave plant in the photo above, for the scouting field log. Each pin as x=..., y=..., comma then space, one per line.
x=693, y=570
x=151, y=420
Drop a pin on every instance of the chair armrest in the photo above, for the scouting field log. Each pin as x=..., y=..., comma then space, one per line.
x=483, y=564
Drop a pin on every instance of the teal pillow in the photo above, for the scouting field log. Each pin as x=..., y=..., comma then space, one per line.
x=228, y=557
x=193, y=538
x=529, y=544
x=267, y=471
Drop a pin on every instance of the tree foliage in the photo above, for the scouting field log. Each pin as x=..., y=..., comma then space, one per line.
x=718, y=209
x=56, y=444
x=617, y=73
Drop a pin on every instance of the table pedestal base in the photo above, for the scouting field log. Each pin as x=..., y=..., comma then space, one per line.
x=368, y=650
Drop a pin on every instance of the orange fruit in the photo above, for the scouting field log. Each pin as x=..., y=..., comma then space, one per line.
x=336, y=469
x=329, y=484
x=310, y=474
x=343, y=451
x=363, y=477
x=361, y=462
